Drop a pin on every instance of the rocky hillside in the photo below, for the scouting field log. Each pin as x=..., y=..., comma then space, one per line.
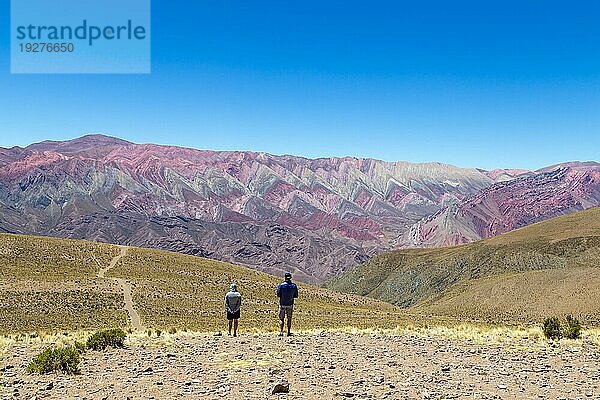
x=406, y=364
x=552, y=267
x=317, y=218
x=505, y=206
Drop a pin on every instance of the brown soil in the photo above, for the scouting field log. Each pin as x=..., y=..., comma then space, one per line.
x=317, y=366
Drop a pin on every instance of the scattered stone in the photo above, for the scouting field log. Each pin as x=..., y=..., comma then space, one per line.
x=365, y=368
x=281, y=387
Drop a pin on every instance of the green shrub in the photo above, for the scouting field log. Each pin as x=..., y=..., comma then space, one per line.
x=65, y=359
x=149, y=332
x=552, y=328
x=573, y=329
x=158, y=332
x=80, y=347
x=173, y=331
x=103, y=339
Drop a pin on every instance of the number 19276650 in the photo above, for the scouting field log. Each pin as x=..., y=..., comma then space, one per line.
x=43, y=47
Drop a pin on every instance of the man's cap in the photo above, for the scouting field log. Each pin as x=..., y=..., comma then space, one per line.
x=233, y=287
x=288, y=275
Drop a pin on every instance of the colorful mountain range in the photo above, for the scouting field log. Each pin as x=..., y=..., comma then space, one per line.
x=314, y=217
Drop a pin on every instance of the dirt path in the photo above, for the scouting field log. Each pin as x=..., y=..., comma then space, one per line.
x=113, y=262
x=133, y=315
x=126, y=286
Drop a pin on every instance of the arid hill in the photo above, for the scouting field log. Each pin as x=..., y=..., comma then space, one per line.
x=50, y=284
x=552, y=267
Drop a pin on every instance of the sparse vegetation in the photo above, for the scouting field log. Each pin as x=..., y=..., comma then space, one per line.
x=573, y=328
x=62, y=359
x=505, y=279
x=44, y=259
x=552, y=329
x=52, y=308
x=106, y=338
x=170, y=291
x=80, y=347
x=50, y=285
x=180, y=291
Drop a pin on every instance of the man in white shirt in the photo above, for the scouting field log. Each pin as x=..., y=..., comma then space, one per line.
x=233, y=303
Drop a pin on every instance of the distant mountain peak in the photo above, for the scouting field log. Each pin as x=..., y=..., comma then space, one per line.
x=92, y=145
x=571, y=164
x=96, y=139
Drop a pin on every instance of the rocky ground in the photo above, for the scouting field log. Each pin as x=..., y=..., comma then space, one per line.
x=316, y=366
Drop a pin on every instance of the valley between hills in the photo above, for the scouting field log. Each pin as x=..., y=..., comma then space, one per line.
x=548, y=268
x=51, y=284
x=55, y=292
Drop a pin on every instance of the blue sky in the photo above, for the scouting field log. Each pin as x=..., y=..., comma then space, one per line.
x=472, y=83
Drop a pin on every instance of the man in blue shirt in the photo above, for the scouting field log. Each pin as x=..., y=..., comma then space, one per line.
x=286, y=291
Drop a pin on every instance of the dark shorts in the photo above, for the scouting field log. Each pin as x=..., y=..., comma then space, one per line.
x=235, y=315
x=285, y=310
